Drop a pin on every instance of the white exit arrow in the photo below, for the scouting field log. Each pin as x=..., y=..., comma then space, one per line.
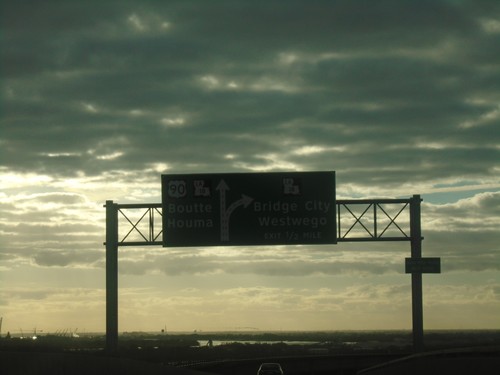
x=244, y=201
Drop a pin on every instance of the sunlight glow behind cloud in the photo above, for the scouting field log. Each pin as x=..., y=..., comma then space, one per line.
x=98, y=101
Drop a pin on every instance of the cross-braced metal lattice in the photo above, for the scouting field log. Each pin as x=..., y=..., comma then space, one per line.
x=140, y=226
x=357, y=221
x=373, y=220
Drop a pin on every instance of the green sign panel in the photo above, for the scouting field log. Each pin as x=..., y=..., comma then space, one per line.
x=422, y=265
x=249, y=209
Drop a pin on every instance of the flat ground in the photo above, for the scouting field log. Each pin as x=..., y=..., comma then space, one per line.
x=370, y=353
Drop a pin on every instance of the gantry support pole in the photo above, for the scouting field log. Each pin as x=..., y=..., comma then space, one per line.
x=416, y=277
x=415, y=237
x=111, y=277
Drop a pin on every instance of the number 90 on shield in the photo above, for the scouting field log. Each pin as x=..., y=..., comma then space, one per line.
x=177, y=188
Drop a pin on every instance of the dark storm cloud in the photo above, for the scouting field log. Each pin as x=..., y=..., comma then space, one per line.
x=65, y=258
x=93, y=87
x=40, y=226
x=287, y=263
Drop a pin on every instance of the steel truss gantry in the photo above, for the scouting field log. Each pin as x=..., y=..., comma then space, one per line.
x=358, y=220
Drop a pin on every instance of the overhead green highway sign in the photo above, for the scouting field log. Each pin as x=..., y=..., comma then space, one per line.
x=249, y=209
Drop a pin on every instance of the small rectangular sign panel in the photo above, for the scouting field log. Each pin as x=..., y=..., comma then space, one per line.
x=233, y=209
x=422, y=265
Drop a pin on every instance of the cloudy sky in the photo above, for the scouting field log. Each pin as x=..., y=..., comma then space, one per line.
x=99, y=98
